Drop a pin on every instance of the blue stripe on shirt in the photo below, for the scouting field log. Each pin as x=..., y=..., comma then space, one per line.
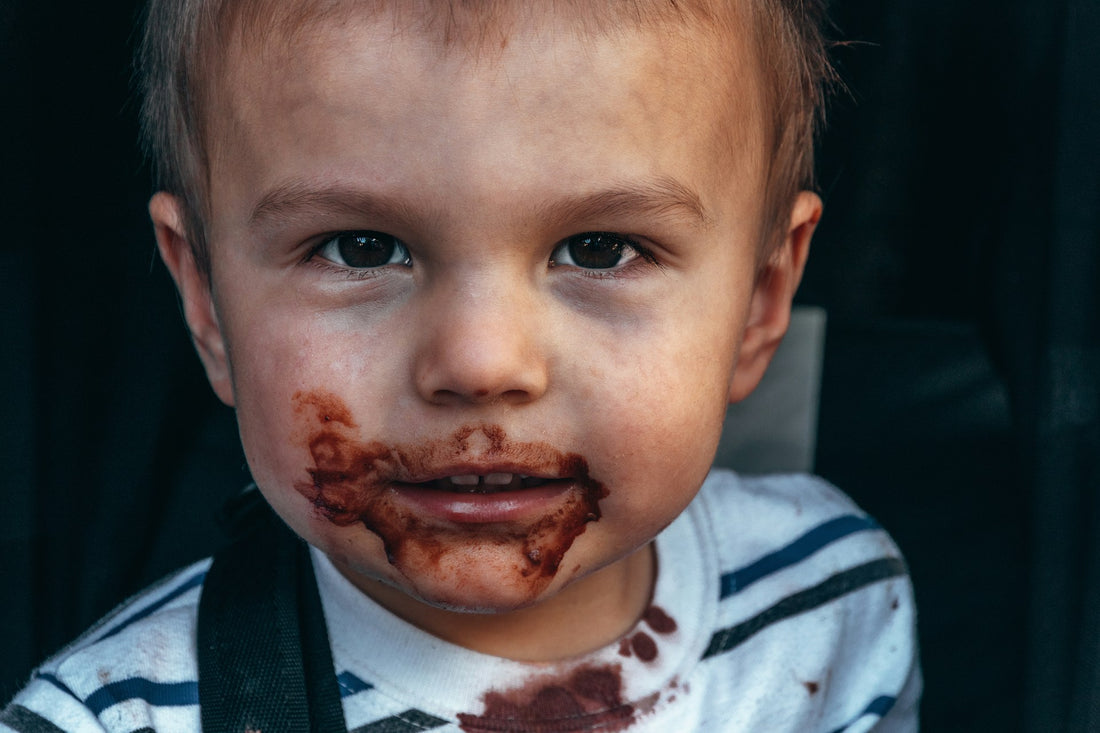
x=879, y=706
x=828, y=590
x=170, y=694
x=192, y=582
x=157, y=694
x=56, y=683
x=350, y=684
x=795, y=552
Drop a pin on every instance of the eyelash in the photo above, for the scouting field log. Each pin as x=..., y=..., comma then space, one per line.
x=616, y=243
x=605, y=242
x=315, y=258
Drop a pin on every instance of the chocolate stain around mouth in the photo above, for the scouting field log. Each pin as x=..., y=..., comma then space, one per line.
x=350, y=481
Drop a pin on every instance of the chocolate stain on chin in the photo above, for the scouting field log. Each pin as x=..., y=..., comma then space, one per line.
x=587, y=698
x=351, y=481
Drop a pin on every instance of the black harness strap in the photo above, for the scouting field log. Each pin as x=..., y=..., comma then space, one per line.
x=264, y=658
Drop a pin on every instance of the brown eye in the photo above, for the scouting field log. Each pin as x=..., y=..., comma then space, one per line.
x=595, y=251
x=365, y=249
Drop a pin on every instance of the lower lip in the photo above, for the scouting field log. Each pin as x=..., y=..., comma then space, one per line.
x=505, y=506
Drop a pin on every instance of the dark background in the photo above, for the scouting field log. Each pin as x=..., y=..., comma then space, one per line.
x=959, y=261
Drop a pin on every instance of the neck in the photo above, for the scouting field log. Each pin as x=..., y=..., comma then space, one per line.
x=584, y=616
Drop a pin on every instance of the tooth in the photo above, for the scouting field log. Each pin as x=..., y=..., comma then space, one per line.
x=465, y=480
x=498, y=479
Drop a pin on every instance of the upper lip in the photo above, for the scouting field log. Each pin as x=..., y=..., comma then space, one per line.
x=483, y=451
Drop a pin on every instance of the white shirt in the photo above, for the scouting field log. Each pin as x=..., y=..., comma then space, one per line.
x=778, y=607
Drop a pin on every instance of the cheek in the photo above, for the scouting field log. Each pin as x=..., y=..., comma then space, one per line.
x=659, y=410
x=671, y=374
x=271, y=359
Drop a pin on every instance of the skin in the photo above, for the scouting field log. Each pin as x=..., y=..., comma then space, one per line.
x=484, y=165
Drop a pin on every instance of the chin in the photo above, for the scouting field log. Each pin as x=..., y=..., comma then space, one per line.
x=477, y=595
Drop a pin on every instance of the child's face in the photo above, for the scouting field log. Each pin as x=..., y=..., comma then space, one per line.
x=436, y=271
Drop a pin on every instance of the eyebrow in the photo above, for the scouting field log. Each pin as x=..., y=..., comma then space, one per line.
x=662, y=198
x=296, y=199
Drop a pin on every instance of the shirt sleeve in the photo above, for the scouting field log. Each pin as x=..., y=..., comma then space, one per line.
x=45, y=707
x=903, y=716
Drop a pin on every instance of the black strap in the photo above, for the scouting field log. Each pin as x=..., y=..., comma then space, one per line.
x=264, y=658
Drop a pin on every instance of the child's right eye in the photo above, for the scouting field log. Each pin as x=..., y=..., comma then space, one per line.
x=364, y=249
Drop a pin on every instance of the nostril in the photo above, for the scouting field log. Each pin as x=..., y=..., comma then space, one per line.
x=516, y=396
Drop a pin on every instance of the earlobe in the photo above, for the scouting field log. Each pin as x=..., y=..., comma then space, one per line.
x=776, y=283
x=193, y=284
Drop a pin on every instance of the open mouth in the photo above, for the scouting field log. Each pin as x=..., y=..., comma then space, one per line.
x=489, y=497
x=490, y=483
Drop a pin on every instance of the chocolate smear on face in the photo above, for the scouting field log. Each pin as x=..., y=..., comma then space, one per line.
x=587, y=698
x=352, y=481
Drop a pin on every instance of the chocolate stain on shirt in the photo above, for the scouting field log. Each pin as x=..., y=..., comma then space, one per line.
x=642, y=644
x=587, y=698
x=351, y=481
x=659, y=621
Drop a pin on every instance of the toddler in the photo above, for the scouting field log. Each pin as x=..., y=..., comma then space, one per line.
x=480, y=278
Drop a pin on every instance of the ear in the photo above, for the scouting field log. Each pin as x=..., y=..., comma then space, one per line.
x=770, y=310
x=193, y=284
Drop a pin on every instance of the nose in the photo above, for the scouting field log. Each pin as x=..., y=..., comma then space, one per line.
x=479, y=345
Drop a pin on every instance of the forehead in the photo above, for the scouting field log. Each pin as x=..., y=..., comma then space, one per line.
x=481, y=96
x=473, y=25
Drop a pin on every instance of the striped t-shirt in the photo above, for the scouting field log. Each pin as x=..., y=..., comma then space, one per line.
x=778, y=606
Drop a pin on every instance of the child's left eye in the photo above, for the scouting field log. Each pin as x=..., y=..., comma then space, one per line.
x=595, y=251
x=364, y=249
